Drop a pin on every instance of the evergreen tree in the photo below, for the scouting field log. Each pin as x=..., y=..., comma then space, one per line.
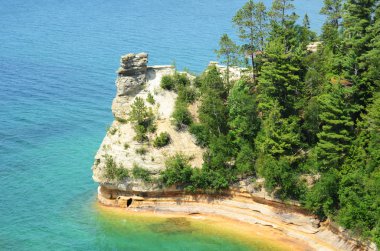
x=279, y=80
x=336, y=128
x=278, y=136
x=251, y=21
x=213, y=111
x=360, y=185
x=371, y=57
x=283, y=22
x=330, y=30
x=243, y=120
x=228, y=52
x=279, y=11
x=357, y=19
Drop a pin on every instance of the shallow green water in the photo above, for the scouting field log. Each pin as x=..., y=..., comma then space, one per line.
x=147, y=232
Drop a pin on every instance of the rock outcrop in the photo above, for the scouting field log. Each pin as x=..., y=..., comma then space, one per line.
x=131, y=77
x=136, y=79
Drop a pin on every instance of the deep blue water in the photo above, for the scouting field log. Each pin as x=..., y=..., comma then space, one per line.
x=57, y=69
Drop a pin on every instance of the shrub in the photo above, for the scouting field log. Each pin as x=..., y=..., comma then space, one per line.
x=200, y=133
x=178, y=170
x=140, y=133
x=113, y=171
x=143, y=119
x=141, y=151
x=111, y=130
x=186, y=94
x=181, y=115
x=141, y=173
x=150, y=99
x=121, y=120
x=162, y=140
x=181, y=79
x=167, y=82
x=140, y=114
x=174, y=82
x=126, y=146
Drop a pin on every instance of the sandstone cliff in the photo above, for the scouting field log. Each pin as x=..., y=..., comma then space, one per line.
x=136, y=79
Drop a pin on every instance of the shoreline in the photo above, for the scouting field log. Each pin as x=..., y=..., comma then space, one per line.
x=232, y=229
x=244, y=212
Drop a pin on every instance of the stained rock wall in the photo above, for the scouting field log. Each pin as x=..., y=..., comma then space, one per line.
x=136, y=79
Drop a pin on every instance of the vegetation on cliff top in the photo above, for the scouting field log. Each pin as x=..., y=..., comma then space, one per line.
x=308, y=122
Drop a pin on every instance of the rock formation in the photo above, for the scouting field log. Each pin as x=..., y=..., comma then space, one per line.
x=136, y=79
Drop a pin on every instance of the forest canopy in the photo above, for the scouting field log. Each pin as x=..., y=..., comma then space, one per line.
x=306, y=120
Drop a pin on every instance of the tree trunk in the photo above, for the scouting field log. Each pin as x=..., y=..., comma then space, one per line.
x=253, y=69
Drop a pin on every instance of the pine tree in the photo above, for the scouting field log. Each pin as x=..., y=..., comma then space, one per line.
x=336, y=128
x=279, y=80
x=278, y=136
x=228, y=52
x=251, y=21
x=360, y=185
x=330, y=30
x=279, y=11
x=283, y=22
x=371, y=57
x=243, y=120
x=357, y=19
x=213, y=111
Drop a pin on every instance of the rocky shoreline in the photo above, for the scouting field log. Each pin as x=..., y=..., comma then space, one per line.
x=238, y=206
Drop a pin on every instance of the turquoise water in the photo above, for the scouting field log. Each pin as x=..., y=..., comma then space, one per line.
x=57, y=64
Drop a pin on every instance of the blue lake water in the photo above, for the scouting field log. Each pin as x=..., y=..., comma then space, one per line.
x=57, y=69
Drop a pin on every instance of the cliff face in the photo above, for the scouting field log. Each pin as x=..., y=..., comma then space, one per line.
x=136, y=79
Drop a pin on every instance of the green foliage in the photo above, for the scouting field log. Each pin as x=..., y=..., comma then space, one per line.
x=114, y=172
x=279, y=80
x=111, y=130
x=359, y=189
x=178, y=170
x=150, y=99
x=141, y=150
x=167, y=82
x=245, y=162
x=330, y=30
x=280, y=177
x=186, y=94
x=174, y=82
x=322, y=199
x=309, y=114
x=311, y=123
x=336, y=126
x=228, y=52
x=252, y=24
x=181, y=115
x=142, y=118
x=141, y=173
x=162, y=140
x=243, y=118
x=121, y=120
x=126, y=146
x=278, y=136
x=201, y=134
